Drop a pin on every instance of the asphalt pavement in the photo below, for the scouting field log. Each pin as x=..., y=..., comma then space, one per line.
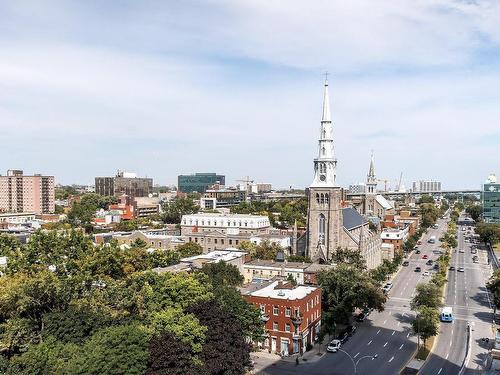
x=387, y=334
x=467, y=295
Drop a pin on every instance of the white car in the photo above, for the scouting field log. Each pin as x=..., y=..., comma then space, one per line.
x=461, y=269
x=426, y=273
x=334, y=346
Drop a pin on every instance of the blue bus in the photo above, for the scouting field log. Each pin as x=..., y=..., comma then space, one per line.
x=446, y=314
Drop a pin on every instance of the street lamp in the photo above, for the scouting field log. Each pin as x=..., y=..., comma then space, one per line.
x=355, y=363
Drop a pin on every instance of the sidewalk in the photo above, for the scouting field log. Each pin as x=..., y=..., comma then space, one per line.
x=309, y=356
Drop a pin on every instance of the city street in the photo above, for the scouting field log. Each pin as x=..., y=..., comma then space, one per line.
x=467, y=295
x=387, y=334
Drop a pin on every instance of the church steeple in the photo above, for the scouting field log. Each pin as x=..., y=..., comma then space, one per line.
x=371, y=179
x=325, y=164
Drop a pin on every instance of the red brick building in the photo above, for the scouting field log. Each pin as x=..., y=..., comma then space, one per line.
x=292, y=316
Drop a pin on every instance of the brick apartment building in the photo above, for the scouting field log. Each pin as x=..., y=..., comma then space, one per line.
x=292, y=315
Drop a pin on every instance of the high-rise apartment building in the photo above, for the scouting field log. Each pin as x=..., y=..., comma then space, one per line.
x=22, y=193
x=199, y=182
x=426, y=186
x=124, y=183
x=490, y=199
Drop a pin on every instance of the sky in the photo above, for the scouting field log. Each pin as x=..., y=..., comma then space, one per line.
x=163, y=88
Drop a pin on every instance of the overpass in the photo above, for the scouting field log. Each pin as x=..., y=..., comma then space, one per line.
x=395, y=194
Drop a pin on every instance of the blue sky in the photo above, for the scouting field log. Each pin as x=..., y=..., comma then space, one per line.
x=235, y=87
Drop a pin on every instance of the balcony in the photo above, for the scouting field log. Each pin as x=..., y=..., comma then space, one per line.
x=264, y=317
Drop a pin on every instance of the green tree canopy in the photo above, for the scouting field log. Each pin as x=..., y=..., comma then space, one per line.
x=346, y=288
x=426, y=323
x=428, y=294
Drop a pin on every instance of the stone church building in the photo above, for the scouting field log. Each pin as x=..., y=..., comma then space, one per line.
x=330, y=224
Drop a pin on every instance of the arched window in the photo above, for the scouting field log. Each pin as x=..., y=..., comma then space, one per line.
x=317, y=198
x=322, y=200
x=326, y=198
x=322, y=228
x=323, y=150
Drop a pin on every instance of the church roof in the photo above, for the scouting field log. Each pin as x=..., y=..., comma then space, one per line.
x=352, y=218
x=383, y=202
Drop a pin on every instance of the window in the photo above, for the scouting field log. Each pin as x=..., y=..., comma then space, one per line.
x=262, y=308
x=222, y=241
x=322, y=228
x=215, y=240
x=275, y=326
x=276, y=310
x=288, y=311
x=287, y=327
x=230, y=242
x=317, y=198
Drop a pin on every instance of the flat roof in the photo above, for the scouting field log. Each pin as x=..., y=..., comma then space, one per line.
x=272, y=263
x=298, y=292
x=217, y=256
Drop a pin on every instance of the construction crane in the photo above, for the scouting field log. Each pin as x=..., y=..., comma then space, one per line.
x=398, y=188
x=385, y=181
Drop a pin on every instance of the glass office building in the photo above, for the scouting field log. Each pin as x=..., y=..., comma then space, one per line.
x=490, y=199
x=199, y=182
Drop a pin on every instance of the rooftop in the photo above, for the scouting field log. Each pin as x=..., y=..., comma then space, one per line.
x=272, y=263
x=217, y=256
x=352, y=219
x=270, y=291
x=232, y=216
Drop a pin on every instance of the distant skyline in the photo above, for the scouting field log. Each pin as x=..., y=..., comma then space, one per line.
x=163, y=88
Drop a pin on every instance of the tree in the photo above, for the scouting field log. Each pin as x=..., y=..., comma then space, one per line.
x=429, y=213
x=170, y=356
x=189, y=249
x=488, y=232
x=174, y=209
x=426, y=199
x=266, y=250
x=222, y=273
x=493, y=286
x=8, y=244
x=428, y=294
x=348, y=256
x=474, y=211
x=426, y=323
x=114, y=350
x=127, y=225
x=225, y=350
x=346, y=288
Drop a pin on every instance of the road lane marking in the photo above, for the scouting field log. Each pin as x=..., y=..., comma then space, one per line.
x=356, y=355
x=390, y=360
x=401, y=347
x=439, y=372
x=408, y=335
x=447, y=355
x=450, y=343
x=369, y=342
x=378, y=331
x=393, y=332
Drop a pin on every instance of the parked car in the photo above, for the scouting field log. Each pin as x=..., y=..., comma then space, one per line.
x=417, y=252
x=461, y=269
x=429, y=262
x=334, y=346
x=418, y=269
x=461, y=251
x=452, y=268
x=426, y=273
x=406, y=263
x=436, y=266
x=425, y=256
x=419, y=242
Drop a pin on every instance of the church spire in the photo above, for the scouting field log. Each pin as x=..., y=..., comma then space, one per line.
x=371, y=179
x=371, y=171
x=326, y=104
x=325, y=164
